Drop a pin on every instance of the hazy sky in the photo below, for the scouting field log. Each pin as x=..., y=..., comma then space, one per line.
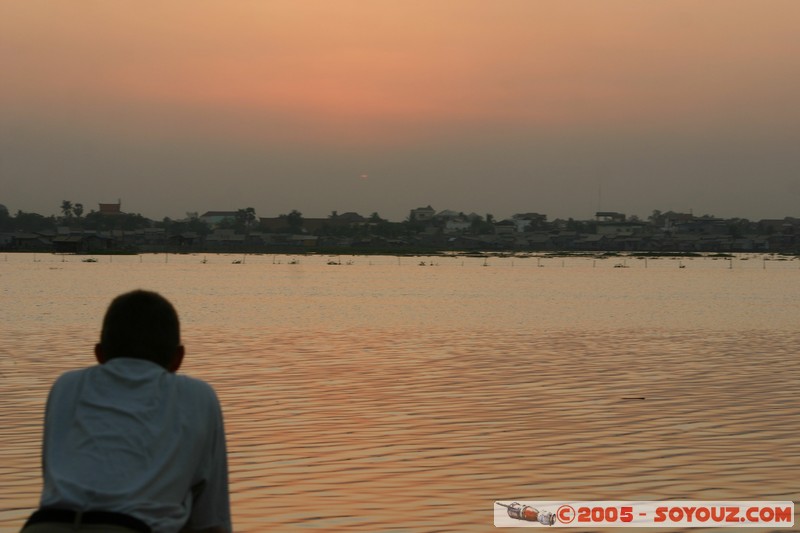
x=493, y=106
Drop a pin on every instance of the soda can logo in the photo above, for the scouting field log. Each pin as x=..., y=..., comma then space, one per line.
x=528, y=513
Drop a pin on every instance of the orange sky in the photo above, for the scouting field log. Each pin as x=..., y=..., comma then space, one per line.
x=385, y=68
x=384, y=73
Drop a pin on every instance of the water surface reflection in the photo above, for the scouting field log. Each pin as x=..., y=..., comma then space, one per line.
x=391, y=397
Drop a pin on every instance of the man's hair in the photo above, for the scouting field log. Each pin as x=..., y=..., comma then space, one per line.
x=142, y=325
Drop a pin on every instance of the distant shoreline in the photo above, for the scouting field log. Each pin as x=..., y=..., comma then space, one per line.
x=417, y=253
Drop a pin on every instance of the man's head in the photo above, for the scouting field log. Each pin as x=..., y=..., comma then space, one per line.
x=141, y=325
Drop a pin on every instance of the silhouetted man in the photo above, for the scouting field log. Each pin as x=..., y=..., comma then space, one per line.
x=128, y=444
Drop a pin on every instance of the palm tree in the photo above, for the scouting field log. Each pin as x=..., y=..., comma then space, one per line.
x=77, y=210
x=66, y=208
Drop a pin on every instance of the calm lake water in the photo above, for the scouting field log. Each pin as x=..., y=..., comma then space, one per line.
x=382, y=395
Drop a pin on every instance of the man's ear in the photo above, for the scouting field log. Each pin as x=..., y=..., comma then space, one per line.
x=99, y=354
x=177, y=359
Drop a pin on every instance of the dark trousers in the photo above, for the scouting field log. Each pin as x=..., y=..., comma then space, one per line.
x=64, y=520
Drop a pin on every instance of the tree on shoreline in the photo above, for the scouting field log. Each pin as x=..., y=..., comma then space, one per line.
x=245, y=218
x=66, y=209
x=33, y=222
x=295, y=221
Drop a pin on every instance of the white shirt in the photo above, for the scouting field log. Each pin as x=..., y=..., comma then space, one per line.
x=129, y=437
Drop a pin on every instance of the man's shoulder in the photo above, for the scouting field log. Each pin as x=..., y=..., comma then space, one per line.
x=137, y=371
x=196, y=385
x=70, y=376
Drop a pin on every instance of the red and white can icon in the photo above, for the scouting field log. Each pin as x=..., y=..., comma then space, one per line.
x=529, y=514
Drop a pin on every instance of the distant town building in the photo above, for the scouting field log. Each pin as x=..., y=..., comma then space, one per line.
x=529, y=221
x=422, y=214
x=111, y=209
x=213, y=218
x=609, y=216
x=610, y=223
x=350, y=217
